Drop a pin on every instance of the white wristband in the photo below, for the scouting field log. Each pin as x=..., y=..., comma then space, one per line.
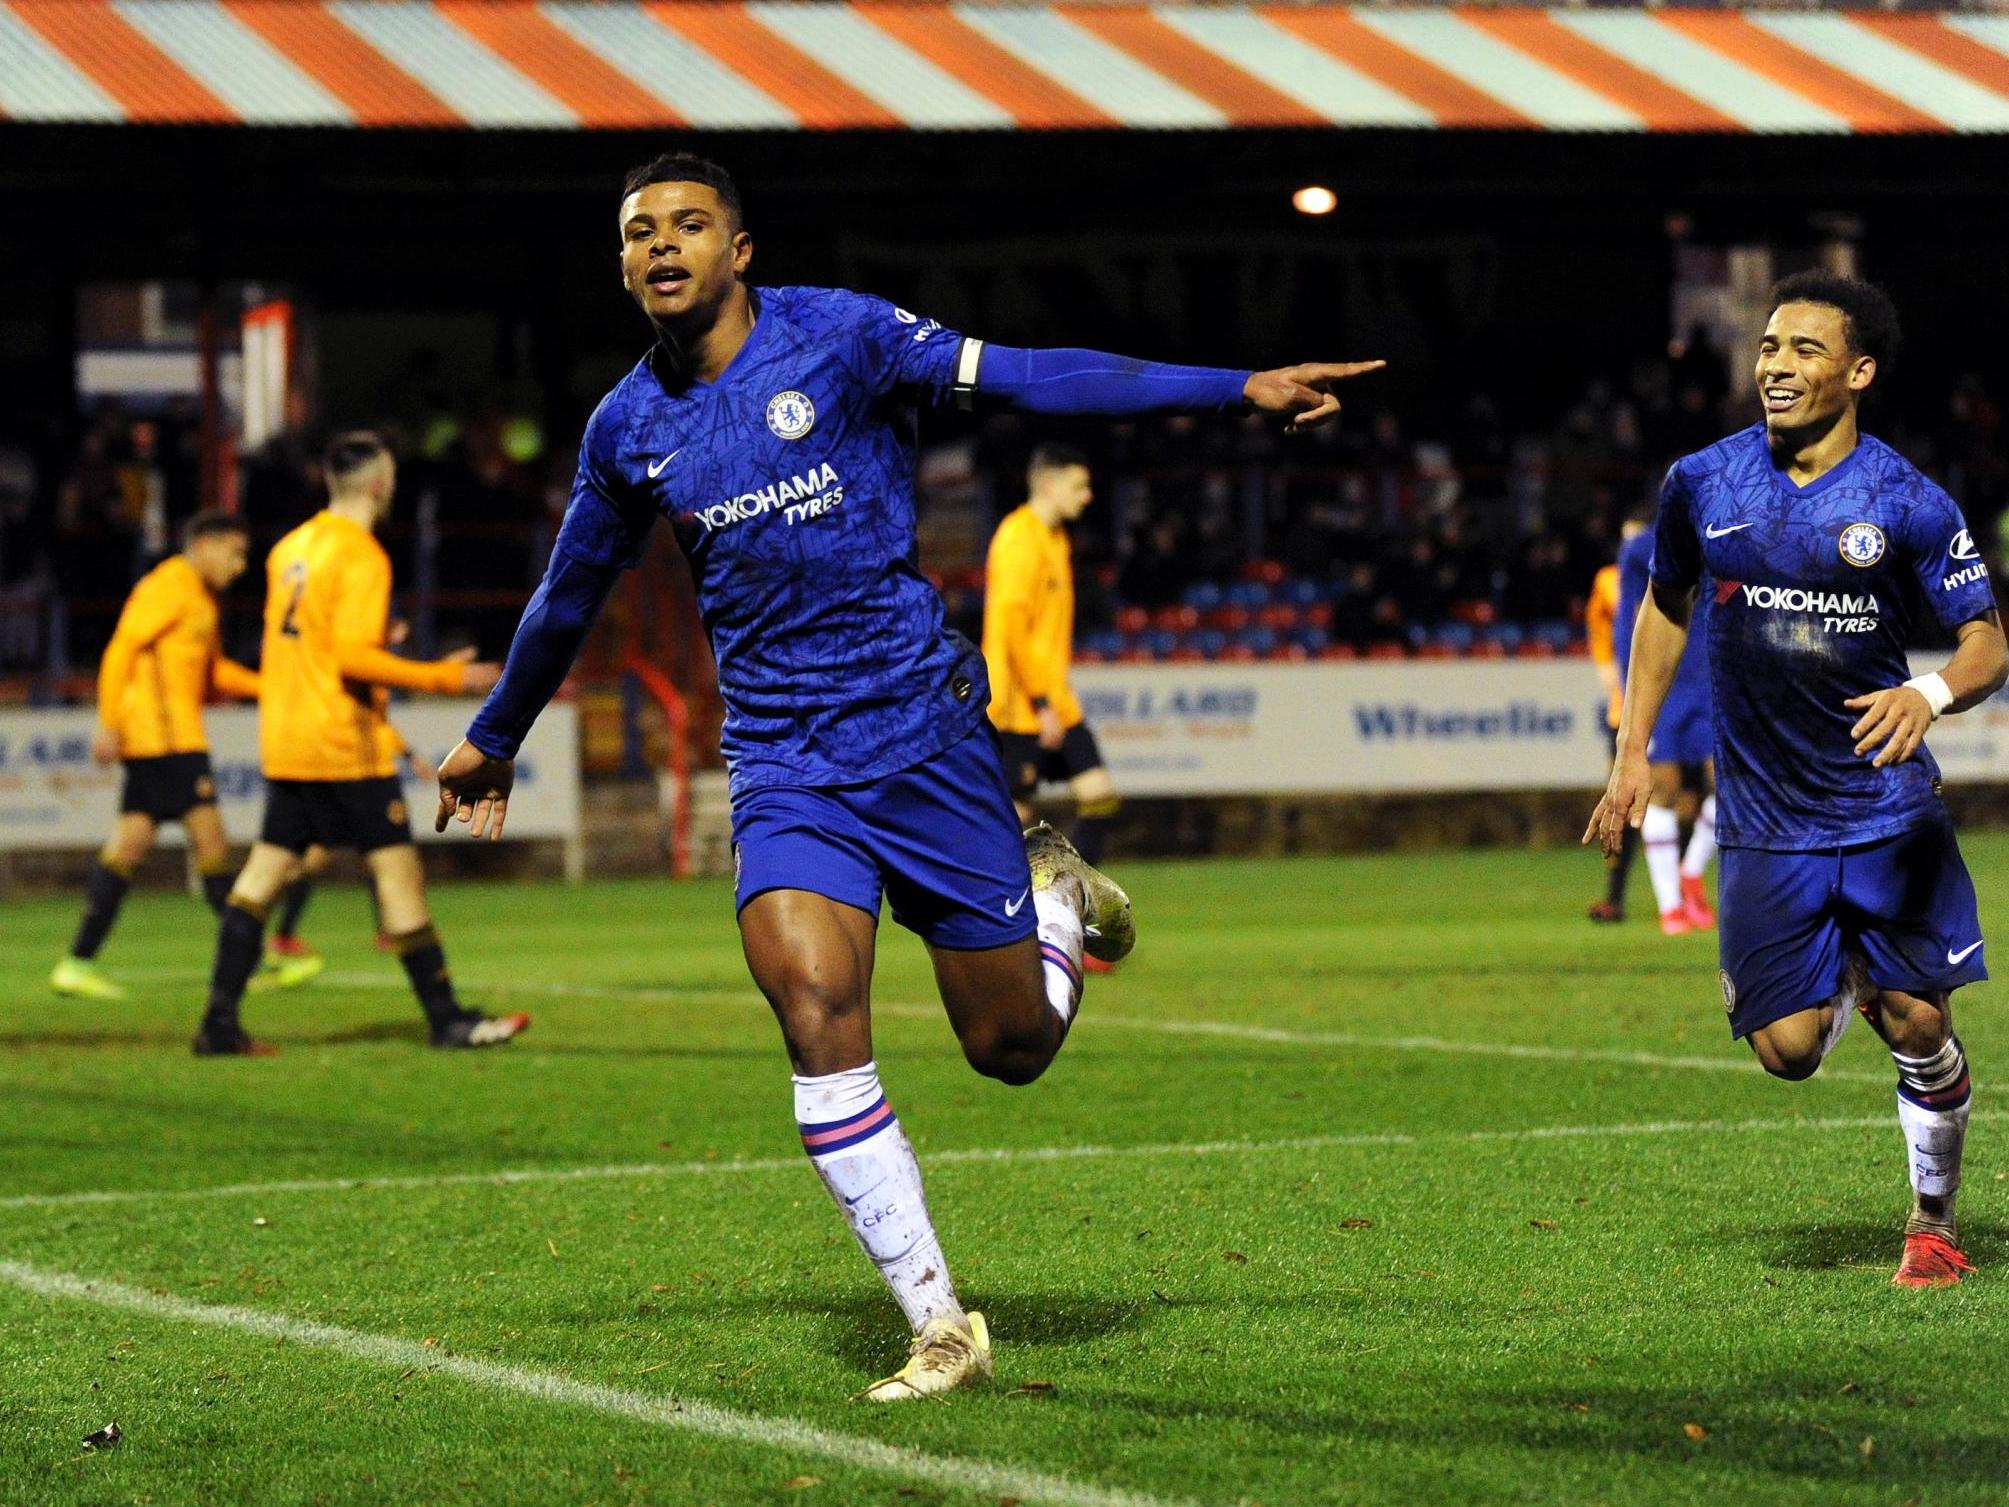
x=1938, y=695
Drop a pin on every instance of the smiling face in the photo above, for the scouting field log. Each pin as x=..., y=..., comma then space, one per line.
x=1808, y=374
x=681, y=252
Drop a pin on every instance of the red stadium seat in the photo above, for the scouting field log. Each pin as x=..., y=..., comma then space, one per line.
x=1131, y=620
x=1339, y=651
x=1176, y=619
x=1239, y=654
x=1228, y=619
x=1269, y=572
x=1387, y=651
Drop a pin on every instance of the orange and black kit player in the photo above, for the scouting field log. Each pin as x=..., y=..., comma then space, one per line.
x=329, y=759
x=162, y=664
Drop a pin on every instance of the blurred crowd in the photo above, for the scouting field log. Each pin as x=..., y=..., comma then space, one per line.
x=1441, y=525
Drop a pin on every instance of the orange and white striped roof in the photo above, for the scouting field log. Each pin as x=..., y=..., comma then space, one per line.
x=766, y=64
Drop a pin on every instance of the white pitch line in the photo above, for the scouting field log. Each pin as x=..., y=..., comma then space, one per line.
x=948, y=1157
x=1231, y=1030
x=952, y=1471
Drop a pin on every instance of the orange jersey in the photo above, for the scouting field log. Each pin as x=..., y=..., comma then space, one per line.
x=327, y=609
x=1029, y=621
x=162, y=663
x=1599, y=616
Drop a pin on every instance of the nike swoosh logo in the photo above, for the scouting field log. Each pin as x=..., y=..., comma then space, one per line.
x=656, y=466
x=1717, y=533
x=1954, y=959
x=1012, y=907
x=867, y=1193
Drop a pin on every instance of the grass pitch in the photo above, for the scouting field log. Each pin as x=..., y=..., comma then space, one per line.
x=1367, y=1181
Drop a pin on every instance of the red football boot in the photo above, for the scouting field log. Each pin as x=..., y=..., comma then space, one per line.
x=1695, y=904
x=1675, y=923
x=1930, y=1261
x=1092, y=964
x=289, y=947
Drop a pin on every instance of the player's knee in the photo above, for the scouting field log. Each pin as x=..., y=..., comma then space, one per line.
x=1790, y=1058
x=1011, y=1060
x=811, y=1002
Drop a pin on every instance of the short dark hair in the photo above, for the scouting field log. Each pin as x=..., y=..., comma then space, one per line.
x=348, y=453
x=1869, y=318
x=1054, y=457
x=212, y=521
x=688, y=167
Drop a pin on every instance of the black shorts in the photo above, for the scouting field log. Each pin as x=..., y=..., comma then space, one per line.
x=167, y=788
x=361, y=814
x=1026, y=763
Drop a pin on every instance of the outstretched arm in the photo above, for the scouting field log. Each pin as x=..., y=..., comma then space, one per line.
x=1067, y=381
x=475, y=779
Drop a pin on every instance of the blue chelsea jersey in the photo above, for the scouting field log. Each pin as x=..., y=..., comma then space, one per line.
x=790, y=485
x=1813, y=594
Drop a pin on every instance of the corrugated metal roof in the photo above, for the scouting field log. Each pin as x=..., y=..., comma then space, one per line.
x=764, y=65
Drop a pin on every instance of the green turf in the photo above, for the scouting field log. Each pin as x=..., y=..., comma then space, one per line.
x=1462, y=1317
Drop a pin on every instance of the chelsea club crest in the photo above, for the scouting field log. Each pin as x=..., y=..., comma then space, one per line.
x=790, y=415
x=1862, y=543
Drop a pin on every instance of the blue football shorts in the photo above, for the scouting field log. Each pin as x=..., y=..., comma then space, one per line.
x=1684, y=734
x=940, y=841
x=1906, y=903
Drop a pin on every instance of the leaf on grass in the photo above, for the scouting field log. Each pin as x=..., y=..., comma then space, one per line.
x=1168, y=1302
x=1541, y=1224
x=798, y=1483
x=1848, y=1387
x=431, y=1342
x=1007, y=1502
x=1695, y=1431
x=1907, y=1402
x=659, y=1287
x=1235, y=1256
x=1356, y=1224
x=261, y=1222
x=1868, y=1446
x=105, y=1437
x=1032, y=1389
x=554, y=1247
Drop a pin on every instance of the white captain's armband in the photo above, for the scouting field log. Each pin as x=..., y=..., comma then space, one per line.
x=1937, y=693
x=967, y=360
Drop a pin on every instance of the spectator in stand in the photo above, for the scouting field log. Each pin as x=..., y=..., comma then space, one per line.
x=1159, y=568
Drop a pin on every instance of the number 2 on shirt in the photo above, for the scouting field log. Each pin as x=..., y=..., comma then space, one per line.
x=295, y=575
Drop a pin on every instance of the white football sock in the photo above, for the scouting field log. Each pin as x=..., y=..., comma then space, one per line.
x=865, y=1160
x=1933, y=1096
x=1059, y=952
x=1660, y=835
x=1701, y=842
